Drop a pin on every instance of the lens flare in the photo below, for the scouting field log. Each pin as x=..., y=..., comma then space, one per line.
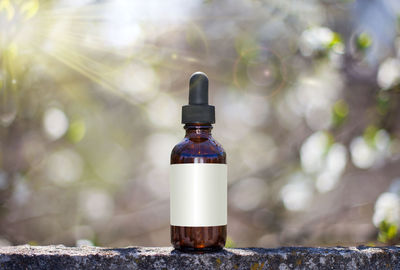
x=260, y=67
x=95, y=41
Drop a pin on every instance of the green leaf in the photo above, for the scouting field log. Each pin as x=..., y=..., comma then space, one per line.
x=363, y=41
x=229, y=243
x=76, y=131
x=383, y=103
x=340, y=112
x=369, y=135
x=387, y=232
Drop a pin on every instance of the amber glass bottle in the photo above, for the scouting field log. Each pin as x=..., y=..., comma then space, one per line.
x=198, y=179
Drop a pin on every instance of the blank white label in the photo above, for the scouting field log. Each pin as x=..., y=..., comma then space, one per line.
x=198, y=194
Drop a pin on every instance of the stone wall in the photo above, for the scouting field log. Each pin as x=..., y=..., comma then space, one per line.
x=61, y=257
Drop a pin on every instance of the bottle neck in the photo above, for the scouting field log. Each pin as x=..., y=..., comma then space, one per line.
x=198, y=130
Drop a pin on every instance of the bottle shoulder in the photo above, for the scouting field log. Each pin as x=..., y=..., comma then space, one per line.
x=198, y=150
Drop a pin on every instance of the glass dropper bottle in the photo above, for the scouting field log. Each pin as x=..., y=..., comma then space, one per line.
x=198, y=177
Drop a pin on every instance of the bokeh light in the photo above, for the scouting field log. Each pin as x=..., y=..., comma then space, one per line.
x=55, y=123
x=297, y=194
x=388, y=74
x=248, y=193
x=307, y=105
x=64, y=166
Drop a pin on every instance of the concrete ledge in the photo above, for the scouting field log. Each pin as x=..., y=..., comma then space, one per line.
x=61, y=257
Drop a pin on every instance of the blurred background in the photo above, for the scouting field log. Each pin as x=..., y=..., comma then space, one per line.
x=307, y=103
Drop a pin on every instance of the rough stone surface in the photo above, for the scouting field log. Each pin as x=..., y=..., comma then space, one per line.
x=61, y=257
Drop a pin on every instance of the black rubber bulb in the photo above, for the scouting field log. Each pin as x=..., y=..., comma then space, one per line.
x=198, y=110
x=198, y=89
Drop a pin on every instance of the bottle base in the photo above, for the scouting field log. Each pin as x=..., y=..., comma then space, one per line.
x=199, y=250
x=198, y=239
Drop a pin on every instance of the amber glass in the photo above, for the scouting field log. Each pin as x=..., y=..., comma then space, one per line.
x=198, y=146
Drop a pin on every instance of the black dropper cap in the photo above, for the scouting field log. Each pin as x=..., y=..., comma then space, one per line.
x=198, y=110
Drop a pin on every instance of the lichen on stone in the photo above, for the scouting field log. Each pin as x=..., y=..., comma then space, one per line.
x=61, y=257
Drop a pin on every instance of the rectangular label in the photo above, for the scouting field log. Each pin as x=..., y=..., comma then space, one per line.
x=198, y=194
